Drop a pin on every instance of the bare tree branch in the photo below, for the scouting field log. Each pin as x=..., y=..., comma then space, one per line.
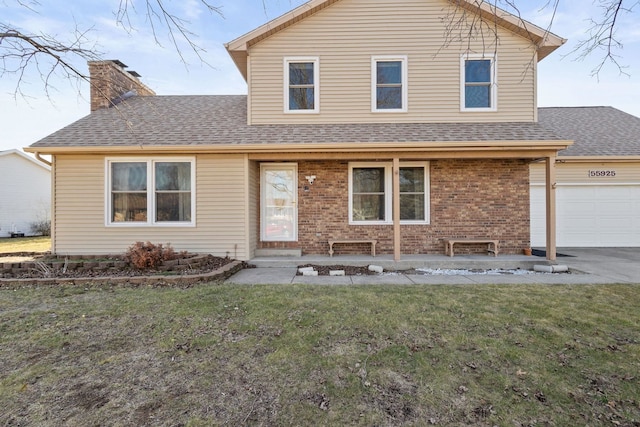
x=50, y=55
x=602, y=41
x=20, y=52
x=158, y=15
x=603, y=35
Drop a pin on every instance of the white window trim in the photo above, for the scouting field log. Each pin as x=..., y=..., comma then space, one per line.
x=374, y=83
x=388, y=192
x=427, y=192
x=494, y=82
x=151, y=199
x=316, y=83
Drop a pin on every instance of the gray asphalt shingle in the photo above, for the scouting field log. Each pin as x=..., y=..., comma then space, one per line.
x=221, y=119
x=201, y=120
x=597, y=131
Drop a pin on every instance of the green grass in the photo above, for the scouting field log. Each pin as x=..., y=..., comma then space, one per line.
x=25, y=244
x=320, y=355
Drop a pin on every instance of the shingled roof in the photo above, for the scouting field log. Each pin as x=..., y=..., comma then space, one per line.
x=217, y=120
x=597, y=131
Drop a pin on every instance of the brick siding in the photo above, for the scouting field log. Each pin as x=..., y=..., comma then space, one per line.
x=469, y=198
x=109, y=81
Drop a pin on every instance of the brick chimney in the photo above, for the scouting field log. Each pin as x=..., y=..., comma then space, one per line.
x=111, y=84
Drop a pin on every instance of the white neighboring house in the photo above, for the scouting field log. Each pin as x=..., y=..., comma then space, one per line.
x=597, y=178
x=25, y=193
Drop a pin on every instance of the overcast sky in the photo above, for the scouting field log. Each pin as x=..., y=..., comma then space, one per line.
x=25, y=118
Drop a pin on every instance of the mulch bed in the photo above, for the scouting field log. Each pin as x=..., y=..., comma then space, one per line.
x=115, y=267
x=185, y=271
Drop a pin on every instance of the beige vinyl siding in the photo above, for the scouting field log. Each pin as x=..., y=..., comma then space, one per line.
x=347, y=34
x=254, y=205
x=220, y=210
x=578, y=173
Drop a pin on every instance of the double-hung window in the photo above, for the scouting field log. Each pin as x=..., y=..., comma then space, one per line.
x=389, y=84
x=369, y=187
x=371, y=194
x=413, y=193
x=301, y=85
x=478, y=83
x=150, y=192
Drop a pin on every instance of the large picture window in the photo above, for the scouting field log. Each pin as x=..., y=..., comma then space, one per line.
x=371, y=196
x=478, y=83
x=389, y=84
x=301, y=85
x=150, y=192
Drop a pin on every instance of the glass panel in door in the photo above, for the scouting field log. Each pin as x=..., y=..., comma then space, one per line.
x=279, y=218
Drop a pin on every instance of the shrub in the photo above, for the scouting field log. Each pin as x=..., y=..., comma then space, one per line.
x=42, y=227
x=148, y=255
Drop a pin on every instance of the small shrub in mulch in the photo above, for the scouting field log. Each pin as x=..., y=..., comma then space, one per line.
x=148, y=255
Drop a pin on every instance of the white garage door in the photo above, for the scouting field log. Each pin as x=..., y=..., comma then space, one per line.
x=589, y=216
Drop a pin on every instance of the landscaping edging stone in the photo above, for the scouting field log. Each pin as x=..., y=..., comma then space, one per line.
x=183, y=280
x=90, y=263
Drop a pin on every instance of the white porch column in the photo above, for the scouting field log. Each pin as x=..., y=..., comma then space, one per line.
x=396, y=209
x=550, y=168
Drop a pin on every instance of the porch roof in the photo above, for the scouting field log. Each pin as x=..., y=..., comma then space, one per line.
x=218, y=121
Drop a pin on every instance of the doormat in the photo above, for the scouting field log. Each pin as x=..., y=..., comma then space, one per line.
x=543, y=253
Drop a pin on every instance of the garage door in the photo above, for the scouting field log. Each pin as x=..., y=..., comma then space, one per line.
x=589, y=216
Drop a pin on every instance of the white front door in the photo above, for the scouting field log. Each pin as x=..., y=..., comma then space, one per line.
x=279, y=211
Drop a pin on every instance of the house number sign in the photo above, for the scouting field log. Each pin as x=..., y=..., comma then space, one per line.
x=602, y=173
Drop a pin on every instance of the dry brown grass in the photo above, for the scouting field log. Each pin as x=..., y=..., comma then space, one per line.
x=303, y=355
x=25, y=244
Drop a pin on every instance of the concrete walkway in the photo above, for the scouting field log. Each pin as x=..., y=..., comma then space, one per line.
x=587, y=266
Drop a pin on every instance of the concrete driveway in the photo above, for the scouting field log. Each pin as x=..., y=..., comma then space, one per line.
x=619, y=265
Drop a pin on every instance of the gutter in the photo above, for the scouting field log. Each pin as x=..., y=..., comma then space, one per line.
x=37, y=154
x=354, y=147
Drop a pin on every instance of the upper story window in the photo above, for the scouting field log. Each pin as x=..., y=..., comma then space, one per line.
x=150, y=192
x=301, y=86
x=478, y=83
x=389, y=84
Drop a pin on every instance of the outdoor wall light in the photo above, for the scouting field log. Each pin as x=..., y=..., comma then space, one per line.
x=310, y=178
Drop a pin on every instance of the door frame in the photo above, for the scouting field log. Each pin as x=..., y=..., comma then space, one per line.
x=290, y=167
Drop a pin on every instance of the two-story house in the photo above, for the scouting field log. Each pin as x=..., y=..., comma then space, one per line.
x=363, y=120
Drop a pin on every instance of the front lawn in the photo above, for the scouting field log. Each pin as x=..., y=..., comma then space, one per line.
x=321, y=355
x=25, y=244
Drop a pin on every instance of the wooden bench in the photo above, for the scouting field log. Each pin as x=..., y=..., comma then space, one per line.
x=492, y=245
x=353, y=241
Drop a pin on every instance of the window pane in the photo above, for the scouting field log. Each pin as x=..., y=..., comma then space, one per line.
x=389, y=72
x=174, y=176
x=173, y=207
x=129, y=207
x=412, y=180
x=368, y=207
x=478, y=71
x=130, y=176
x=388, y=97
x=477, y=97
x=301, y=73
x=412, y=207
x=368, y=180
x=301, y=99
